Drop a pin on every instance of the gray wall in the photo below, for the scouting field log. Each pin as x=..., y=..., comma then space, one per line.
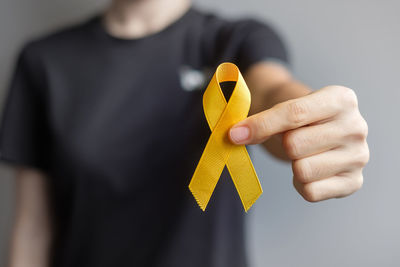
x=353, y=43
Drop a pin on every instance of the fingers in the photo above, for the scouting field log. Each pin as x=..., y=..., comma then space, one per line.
x=310, y=140
x=334, y=187
x=292, y=114
x=330, y=163
x=314, y=139
x=322, y=133
x=331, y=174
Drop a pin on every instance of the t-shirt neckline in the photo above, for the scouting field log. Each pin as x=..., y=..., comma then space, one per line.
x=101, y=29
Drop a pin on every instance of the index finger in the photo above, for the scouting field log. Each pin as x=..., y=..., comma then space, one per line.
x=292, y=114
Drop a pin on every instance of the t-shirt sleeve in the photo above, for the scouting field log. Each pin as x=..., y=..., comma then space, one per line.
x=246, y=42
x=23, y=134
x=261, y=43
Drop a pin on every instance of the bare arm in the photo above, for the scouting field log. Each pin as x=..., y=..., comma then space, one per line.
x=270, y=84
x=31, y=234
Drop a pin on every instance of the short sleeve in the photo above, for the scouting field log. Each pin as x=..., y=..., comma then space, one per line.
x=261, y=43
x=23, y=134
x=249, y=41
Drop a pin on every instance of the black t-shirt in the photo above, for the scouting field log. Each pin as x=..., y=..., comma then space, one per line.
x=118, y=126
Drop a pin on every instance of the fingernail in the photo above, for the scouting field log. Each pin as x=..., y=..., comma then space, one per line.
x=239, y=134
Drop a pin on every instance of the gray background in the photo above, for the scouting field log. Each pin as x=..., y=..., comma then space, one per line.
x=353, y=43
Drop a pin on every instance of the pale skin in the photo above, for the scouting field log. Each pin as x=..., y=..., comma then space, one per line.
x=322, y=133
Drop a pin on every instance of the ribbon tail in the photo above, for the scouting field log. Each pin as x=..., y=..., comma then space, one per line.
x=209, y=169
x=204, y=181
x=244, y=176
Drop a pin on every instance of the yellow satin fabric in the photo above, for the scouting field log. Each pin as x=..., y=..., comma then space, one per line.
x=219, y=151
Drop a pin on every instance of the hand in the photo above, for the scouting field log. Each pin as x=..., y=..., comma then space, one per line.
x=324, y=135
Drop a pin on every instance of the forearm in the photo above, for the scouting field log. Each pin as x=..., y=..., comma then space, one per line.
x=29, y=246
x=268, y=91
x=31, y=234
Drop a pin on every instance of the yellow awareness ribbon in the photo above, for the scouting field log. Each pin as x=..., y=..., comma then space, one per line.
x=219, y=151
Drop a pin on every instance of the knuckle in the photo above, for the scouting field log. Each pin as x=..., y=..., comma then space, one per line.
x=261, y=126
x=347, y=97
x=358, y=182
x=301, y=170
x=363, y=128
x=297, y=112
x=360, y=156
x=292, y=144
x=358, y=128
x=310, y=194
x=355, y=183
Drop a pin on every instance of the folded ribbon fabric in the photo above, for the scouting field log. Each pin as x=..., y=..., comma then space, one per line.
x=219, y=151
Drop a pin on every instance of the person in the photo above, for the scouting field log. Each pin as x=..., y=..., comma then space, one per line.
x=105, y=126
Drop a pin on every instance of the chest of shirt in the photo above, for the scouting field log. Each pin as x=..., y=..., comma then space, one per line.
x=121, y=109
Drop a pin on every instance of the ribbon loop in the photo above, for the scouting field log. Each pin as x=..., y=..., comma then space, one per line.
x=219, y=151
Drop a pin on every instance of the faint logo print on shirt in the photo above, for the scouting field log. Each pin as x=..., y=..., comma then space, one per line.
x=192, y=79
